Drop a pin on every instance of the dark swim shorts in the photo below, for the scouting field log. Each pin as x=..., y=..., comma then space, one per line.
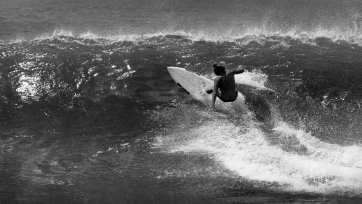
x=229, y=99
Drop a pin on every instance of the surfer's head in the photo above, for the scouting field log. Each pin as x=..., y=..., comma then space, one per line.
x=219, y=69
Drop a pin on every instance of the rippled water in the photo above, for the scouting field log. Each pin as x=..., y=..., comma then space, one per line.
x=89, y=114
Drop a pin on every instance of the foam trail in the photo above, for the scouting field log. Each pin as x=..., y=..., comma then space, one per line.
x=246, y=151
x=322, y=151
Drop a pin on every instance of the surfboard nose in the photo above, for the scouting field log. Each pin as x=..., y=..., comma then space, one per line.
x=171, y=68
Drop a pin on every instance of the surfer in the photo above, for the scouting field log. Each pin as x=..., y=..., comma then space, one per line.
x=224, y=84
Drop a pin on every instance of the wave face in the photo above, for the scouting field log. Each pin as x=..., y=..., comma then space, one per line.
x=81, y=100
x=306, y=138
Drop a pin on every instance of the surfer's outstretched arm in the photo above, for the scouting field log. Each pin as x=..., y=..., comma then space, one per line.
x=237, y=71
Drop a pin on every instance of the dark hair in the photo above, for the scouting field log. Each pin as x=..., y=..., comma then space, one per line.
x=219, y=70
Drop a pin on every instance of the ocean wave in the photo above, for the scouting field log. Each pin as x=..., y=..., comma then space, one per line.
x=332, y=153
x=245, y=36
x=245, y=150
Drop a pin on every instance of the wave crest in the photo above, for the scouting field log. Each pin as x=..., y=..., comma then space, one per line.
x=243, y=36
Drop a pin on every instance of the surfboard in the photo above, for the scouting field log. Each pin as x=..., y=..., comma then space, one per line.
x=197, y=86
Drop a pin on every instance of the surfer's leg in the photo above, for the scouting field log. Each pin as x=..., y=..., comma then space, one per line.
x=218, y=94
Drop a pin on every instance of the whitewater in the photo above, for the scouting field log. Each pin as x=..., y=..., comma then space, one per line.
x=89, y=113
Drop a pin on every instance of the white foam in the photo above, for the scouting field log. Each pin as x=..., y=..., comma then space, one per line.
x=27, y=83
x=56, y=33
x=27, y=87
x=244, y=36
x=254, y=78
x=246, y=151
x=322, y=151
x=17, y=40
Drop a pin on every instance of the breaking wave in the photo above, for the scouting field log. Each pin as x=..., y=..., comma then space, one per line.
x=246, y=150
x=244, y=36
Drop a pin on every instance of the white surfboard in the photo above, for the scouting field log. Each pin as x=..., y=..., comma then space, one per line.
x=197, y=86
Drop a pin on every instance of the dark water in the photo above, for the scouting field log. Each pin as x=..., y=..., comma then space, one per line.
x=89, y=114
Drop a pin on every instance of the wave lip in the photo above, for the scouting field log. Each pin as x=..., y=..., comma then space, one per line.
x=242, y=36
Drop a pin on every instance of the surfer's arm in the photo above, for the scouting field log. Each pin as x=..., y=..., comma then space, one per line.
x=239, y=70
x=216, y=86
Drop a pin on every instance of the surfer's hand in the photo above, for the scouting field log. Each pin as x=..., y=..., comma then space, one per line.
x=241, y=68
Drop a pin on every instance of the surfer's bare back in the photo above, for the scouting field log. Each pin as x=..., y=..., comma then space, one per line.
x=224, y=84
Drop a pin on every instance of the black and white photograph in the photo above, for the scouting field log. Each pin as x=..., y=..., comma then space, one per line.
x=180, y=101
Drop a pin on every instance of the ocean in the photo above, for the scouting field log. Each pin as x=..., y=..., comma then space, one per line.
x=89, y=113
